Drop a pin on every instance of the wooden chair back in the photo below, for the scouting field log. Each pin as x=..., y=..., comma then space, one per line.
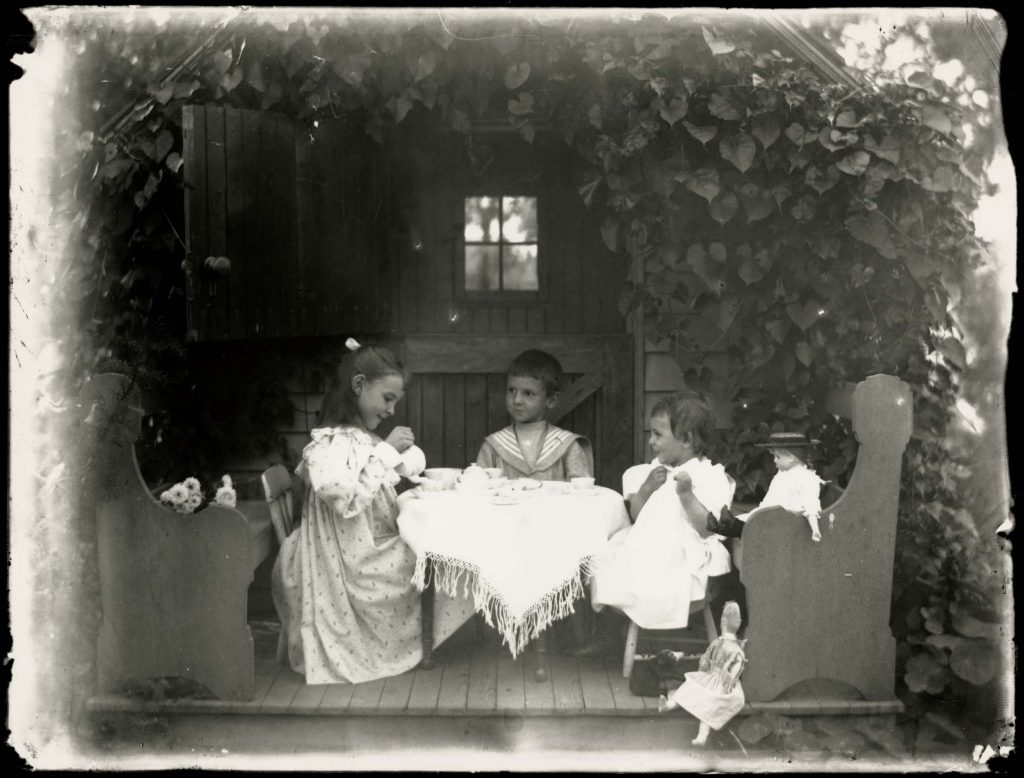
x=277, y=488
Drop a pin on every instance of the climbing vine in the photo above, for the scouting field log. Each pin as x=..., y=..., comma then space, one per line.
x=780, y=233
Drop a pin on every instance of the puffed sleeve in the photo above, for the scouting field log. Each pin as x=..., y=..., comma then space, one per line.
x=634, y=478
x=711, y=485
x=344, y=468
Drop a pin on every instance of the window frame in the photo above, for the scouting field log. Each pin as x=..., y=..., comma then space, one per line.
x=521, y=296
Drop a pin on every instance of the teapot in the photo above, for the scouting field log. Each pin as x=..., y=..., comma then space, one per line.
x=472, y=476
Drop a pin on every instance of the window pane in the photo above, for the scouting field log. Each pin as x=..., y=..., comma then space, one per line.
x=481, y=267
x=521, y=267
x=520, y=219
x=482, y=219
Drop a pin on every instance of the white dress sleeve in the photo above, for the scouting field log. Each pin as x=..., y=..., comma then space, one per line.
x=634, y=478
x=711, y=485
x=344, y=467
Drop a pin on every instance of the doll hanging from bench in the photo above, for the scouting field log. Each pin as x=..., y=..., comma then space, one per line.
x=713, y=693
x=795, y=487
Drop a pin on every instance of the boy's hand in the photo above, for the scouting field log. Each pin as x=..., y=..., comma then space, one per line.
x=684, y=483
x=655, y=478
x=401, y=438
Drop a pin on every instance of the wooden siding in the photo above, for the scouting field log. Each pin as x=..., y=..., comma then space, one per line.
x=302, y=216
x=579, y=279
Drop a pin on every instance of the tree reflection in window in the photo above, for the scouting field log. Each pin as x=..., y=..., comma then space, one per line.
x=501, y=243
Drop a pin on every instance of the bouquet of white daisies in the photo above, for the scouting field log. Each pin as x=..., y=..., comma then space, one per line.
x=187, y=496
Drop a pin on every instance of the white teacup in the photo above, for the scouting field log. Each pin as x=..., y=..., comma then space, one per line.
x=493, y=472
x=445, y=476
x=582, y=482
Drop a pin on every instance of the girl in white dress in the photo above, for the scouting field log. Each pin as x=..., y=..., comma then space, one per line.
x=342, y=580
x=655, y=569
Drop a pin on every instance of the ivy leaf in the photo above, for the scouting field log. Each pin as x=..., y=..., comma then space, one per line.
x=222, y=61
x=860, y=275
x=255, y=77
x=717, y=252
x=976, y=661
x=757, y=205
x=888, y=149
x=114, y=169
x=846, y=119
x=723, y=108
x=704, y=182
x=942, y=179
x=723, y=207
x=777, y=329
x=703, y=134
x=523, y=106
x=797, y=134
x=589, y=188
x=163, y=95
x=610, y=233
x=718, y=45
x=873, y=230
x=804, y=353
x=403, y=104
x=805, y=315
x=674, y=111
x=425, y=65
x=739, y=149
x=594, y=115
x=750, y=272
x=183, y=89
x=710, y=273
x=272, y=96
x=765, y=127
x=230, y=80
x=460, y=121
x=516, y=74
x=174, y=161
x=854, y=163
x=833, y=140
x=935, y=115
x=820, y=181
x=804, y=209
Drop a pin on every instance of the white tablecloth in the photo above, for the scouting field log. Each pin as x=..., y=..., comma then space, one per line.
x=520, y=565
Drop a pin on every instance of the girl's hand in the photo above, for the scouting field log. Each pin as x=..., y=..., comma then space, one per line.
x=684, y=483
x=655, y=478
x=401, y=438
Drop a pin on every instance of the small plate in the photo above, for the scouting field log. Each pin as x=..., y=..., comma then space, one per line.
x=500, y=500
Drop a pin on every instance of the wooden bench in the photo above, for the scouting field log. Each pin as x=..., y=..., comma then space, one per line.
x=173, y=587
x=819, y=612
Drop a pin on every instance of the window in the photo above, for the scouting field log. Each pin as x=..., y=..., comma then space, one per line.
x=500, y=240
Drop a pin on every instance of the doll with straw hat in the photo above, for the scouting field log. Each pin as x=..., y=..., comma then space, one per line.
x=795, y=487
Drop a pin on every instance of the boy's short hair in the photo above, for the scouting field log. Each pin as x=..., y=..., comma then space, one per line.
x=688, y=412
x=539, y=365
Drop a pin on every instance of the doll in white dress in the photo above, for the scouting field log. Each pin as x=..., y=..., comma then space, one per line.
x=713, y=693
x=795, y=487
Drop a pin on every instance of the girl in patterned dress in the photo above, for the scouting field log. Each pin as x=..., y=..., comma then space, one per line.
x=713, y=693
x=342, y=581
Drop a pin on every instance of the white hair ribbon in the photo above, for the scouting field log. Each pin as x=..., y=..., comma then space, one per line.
x=352, y=344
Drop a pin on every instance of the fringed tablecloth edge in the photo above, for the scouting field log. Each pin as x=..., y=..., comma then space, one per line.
x=515, y=632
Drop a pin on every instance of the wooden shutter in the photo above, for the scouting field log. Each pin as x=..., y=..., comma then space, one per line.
x=300, y=216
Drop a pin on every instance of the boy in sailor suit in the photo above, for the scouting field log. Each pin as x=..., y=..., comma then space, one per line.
x=531, y=447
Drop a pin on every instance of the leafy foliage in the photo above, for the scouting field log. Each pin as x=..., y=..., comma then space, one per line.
x=791, y=234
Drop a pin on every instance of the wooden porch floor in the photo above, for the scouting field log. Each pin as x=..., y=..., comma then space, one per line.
x=471, y=676
x=477, y=707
